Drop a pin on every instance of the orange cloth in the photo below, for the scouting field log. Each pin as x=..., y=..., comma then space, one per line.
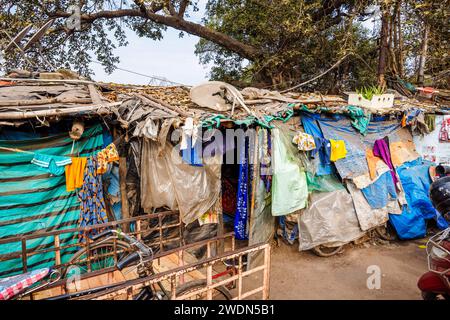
x=402, y=151
x=75, y=173
x=404, y=121
x=372, y=161
x=109, y=154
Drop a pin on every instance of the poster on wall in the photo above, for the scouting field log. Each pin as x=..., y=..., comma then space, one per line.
x=435, y=146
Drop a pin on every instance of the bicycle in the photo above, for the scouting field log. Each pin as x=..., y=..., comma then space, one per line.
x=132, y=254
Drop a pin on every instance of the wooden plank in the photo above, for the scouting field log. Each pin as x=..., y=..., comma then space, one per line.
x=95, y=95
x=24, y=255
x=266, y=273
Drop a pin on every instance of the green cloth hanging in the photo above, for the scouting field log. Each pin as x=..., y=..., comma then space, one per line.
x=360, y=120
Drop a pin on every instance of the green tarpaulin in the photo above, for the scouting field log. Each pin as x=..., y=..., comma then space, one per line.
x=31, y=200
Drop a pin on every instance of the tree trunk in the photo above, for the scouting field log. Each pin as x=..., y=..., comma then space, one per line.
x=400, y=54
x=423, y=56
x=384, y=47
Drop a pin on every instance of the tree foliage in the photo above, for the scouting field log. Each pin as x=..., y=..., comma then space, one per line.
x=267, y=43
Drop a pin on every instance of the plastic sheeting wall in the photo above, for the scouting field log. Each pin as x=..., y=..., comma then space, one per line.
x=166, y=181
x=330, y=220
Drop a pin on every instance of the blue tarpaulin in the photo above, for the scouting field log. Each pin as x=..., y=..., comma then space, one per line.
x=355, y=163
x=310, y=125
x=415, y=179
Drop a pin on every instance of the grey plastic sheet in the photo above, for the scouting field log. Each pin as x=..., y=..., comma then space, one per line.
x=355, y=163
x=166, y=181
x=330, y=220
x=368, y=218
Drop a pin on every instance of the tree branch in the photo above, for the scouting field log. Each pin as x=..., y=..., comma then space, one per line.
x=183, y=6
x=244, y=50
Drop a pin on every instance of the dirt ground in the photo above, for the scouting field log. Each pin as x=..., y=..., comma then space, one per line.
x=303, y=275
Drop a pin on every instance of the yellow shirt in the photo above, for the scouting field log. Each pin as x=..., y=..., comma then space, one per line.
x=338, y=150
x=75, y=173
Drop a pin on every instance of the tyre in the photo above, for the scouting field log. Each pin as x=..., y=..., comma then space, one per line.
x=386, y=232
x=218, y=293
x=434, y=296
x=102, y=256
x=323, y=251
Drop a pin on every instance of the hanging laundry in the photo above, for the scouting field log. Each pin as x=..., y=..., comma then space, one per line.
x=266, y=158
x=53, y=164
x=304, y=141
x=105, y=156
x=92, y=202
x=75, y=173
x=189, y=130
x=381, y=149
x=430, y=121
x=241, y=215
x=338, y=150
x=323, y=146
x=193, y=153
x=360, y=120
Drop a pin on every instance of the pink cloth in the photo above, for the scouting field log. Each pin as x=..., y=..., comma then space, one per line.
x=381, y=149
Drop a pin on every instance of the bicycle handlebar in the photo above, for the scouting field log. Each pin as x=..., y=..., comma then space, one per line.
x=128, y=260
x=101, y=235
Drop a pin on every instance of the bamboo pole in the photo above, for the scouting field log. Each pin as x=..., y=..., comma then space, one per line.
x=39, y=102
x=71, y=81
x=98, y=109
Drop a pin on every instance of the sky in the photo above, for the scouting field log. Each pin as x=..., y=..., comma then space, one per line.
x=172, y=58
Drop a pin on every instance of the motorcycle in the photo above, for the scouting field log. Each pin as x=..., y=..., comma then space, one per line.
x=435, y=284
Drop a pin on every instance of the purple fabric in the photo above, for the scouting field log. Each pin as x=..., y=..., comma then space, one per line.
x=381, y=149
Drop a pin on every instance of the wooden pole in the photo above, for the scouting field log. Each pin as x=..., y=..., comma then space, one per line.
x=123, y=190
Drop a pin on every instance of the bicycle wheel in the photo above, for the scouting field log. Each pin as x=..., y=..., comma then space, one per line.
x=386, y=232
x=323, y=251
x=218, y=293
x=101, y=255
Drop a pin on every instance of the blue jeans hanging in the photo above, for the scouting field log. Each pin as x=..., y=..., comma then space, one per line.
x=241, y=216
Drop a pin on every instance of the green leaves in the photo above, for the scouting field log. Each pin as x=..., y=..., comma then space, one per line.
x=370, y=91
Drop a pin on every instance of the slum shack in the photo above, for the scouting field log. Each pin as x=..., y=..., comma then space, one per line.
x=320, y=170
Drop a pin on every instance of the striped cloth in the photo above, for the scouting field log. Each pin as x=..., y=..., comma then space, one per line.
x=32, y=200
x=11, y=286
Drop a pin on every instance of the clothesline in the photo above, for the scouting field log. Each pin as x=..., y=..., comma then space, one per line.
x=16, y=150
